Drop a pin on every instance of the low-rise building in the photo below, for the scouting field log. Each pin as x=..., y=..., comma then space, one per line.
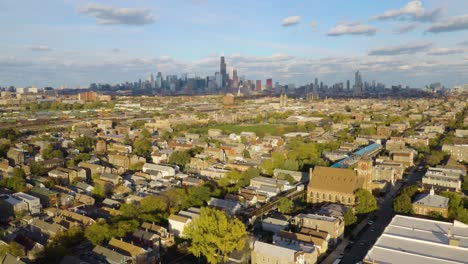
x=443, y=179
x=9, y=205
x=428, y=203
x=17, y=155
x=159, y=170
x=33, y=203
x=332, y=225
x=274, y=225
x=458, y=151
x=415, y=240
x=178, y=222
x=264, y=253
x=230, y=207
x=138, y=254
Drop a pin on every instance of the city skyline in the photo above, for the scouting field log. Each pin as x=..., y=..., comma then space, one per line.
x=76, y=43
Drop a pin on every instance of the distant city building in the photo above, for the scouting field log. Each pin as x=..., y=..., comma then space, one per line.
x=269, y=83
x=358, y=85
x=222, y=70
x=258, y=85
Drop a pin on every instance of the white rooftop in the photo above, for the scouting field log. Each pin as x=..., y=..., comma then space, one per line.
x=420, y=241
x=274, y=250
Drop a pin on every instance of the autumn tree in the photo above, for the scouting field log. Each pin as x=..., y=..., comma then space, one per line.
x=214, y=235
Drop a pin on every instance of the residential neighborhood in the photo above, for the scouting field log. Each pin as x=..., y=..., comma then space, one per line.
x=276, y=180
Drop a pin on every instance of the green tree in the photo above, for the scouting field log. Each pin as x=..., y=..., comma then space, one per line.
x=145, y=133
x=465, y=183
x=99, y=191
x=16, y=182
x=142, y=147
x=349, y=217
x=38, y=169
x=180, y=158
x=122, y=228
x=9, y=133
x=98, y=233
x=4, y=150
x=402, y=204
x=85, y=144
x=138, y=124
x=51, y=153
x=246, y=154
x=61, y=244
x=136, y=166
x=285, y=205
x=436, y=157
x=455, y=203
x=214, y=235
x=365, y=202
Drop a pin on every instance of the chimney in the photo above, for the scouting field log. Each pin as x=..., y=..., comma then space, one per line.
x=454, y=242
x=431, y=192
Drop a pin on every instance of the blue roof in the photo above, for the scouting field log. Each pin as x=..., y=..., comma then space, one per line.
x=360, y=152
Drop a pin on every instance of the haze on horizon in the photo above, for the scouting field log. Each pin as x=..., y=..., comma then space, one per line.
x=54, y=42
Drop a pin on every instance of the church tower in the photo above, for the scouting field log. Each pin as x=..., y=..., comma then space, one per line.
x=364, y=170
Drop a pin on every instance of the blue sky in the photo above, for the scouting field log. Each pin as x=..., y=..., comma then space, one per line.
x=54, y=42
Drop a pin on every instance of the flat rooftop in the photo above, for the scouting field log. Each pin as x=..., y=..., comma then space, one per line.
x=420, y=241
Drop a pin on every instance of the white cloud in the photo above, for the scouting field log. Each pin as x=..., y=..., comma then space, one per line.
x=405, y=29
x=409, y=48
x=289, y=21
x=109, y=15
x=413, y=10
x=352, y=29
x=450, y=24
x=39, y=48
x=102, y=68
x=445, y=51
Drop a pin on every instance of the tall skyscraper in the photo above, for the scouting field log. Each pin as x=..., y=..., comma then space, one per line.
x=316, y=84
x=218, y=80
x=347, y=85
x=234, y=78
x=357, y=89
x=357, y=79
x=258, y=85
x=159, y=80
x=269, y=83
x=222, y=70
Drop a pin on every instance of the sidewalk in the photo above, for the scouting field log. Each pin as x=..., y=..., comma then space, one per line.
x=339, y=250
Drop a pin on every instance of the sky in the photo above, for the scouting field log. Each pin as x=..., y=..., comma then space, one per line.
x=75, y=42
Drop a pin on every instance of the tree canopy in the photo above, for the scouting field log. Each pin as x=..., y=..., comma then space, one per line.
x=285, y=205
x=365, y=202
x=85, y=144
x=214, y=235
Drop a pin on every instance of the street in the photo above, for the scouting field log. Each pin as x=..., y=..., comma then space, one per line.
x=369, y=234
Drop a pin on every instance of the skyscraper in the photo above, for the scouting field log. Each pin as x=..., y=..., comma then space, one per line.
x=269, y=83
x=258, y=85
x=222, y=70
x=357, y=89
x=234, y=78
x=159, y=80
x=347, y=85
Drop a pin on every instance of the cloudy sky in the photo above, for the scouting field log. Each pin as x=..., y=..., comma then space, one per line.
x=75, y=42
